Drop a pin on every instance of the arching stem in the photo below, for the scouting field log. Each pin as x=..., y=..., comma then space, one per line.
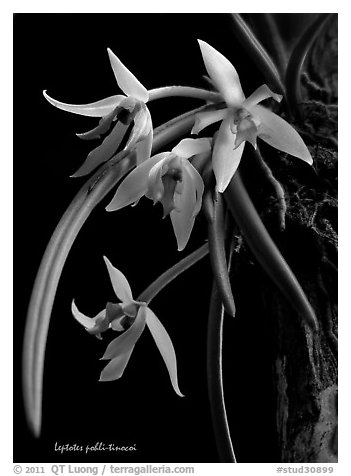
x=168, y=276
x=48, y=276
x=257, y=52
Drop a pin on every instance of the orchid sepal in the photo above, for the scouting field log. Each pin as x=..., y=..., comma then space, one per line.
x=100, y=108
x=223, y=74
x=126, y=80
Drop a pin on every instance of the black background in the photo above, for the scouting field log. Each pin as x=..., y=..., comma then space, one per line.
x=66, y=54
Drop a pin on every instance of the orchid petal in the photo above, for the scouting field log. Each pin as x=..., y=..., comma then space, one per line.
x=114, y=369
x=247, y=131
x=141, y=129
x=126, y=80
x=126, y=341
x=104, y=151
x=205, y=119
x=114, y=311
x=119, y=283
x=183, y=216
x=143, y=148
x=199, y=186
x=223, y=74
x=189, y=147
x=116, y=325
x=261, y=93
x=134, y=186
x=155, y=186
x=85, y=321
x=280, y=134
x=95, y=109
x=130, y=309
x=165, y=346
x=225, y=159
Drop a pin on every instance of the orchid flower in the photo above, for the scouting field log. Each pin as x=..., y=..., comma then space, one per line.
x=171, y=179
x=242, y=120
x=139, y=314
x=120, y=109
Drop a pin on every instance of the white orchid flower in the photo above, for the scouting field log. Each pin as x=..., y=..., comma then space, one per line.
x=243, y=120
x=120, y=349
x=120, y=109
x=171, y=179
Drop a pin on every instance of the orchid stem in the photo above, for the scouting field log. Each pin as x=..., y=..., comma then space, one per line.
x=168, y=276
x=265, y=250
x=47, y=279
x=257, y=52
x=175, y=128
x=183, y=91
x=214, y=211
x=215, y=374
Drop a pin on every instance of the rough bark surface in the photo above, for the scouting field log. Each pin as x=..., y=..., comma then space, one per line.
x=304, y=364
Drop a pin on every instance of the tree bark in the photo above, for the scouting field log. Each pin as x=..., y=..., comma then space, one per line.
x=303, y=363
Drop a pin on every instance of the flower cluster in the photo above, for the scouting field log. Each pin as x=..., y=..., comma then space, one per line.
x=171, y=178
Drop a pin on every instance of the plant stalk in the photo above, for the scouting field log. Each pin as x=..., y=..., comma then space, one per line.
x=265, y=250
x=168, y=276
x=215, y=373
x=47, y=279
x=257, y=52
